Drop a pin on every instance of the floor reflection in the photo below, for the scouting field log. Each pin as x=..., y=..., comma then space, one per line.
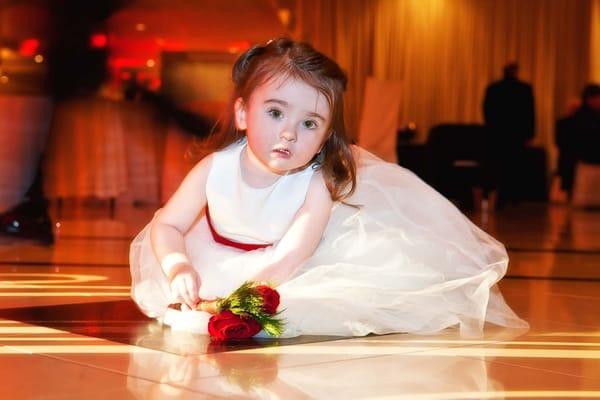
x=255, y=375
x=66, y=319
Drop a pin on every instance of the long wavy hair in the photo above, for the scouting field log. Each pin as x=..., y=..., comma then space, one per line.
x=287, y=59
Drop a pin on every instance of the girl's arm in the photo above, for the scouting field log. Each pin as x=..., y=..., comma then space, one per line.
x=169, y=226
x=303, y=236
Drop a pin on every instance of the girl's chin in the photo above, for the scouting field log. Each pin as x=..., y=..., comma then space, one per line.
x=283, y=167
x=279, y=166
x=277, y=169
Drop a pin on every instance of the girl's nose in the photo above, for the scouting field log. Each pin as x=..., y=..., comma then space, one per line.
x=288, y=135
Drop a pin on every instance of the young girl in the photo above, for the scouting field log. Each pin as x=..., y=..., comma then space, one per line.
x=355, y=245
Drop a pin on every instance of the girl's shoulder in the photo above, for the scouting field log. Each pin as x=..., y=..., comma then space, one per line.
x=317, y=179
x=202, y=167
x=317, y=187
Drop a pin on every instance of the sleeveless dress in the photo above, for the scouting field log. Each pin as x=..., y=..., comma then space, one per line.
x=405, y=260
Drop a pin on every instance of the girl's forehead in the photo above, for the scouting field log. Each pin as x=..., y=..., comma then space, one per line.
x=293, y=91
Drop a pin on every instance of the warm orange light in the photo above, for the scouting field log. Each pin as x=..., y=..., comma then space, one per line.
x=38, y=58
x=3, y=79
x=48, y=339
x=150, y=63
x=595, y=42
x=76, y=349
x=45, y=278
x=98, y=40
x=140, y=27
x=236, y=47
x=284, y=15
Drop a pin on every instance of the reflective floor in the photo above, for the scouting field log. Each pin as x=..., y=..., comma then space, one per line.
x=69, y=331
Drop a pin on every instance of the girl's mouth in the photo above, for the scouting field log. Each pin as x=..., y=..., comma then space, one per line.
x=282, y=152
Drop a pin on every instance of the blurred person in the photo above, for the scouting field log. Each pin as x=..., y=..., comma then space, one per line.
x=29, y=218
x=578, y=136
x=563, y=138
x=73, y=69
x=76, y=72
x=586, y=125
x=509, y=114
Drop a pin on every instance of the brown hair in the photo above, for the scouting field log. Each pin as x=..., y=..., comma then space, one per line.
x=285, y=58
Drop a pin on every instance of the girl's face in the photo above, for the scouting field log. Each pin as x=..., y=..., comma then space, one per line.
x=286, y=123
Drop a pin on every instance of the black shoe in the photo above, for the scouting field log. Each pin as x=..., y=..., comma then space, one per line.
x=28, y=221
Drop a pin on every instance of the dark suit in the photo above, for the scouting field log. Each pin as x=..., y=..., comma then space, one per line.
x=567, y=152
x=509, y=114
x=578, y=139
x=587, y=128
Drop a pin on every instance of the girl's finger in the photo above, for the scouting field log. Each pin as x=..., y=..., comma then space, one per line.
x=176, y=293
x=183, y=293
x=192, y=289
x=189, y=297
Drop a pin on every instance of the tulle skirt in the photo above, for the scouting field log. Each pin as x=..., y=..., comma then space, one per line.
x=404, y=260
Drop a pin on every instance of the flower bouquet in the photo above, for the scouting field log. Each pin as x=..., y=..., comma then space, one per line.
x=249, y=309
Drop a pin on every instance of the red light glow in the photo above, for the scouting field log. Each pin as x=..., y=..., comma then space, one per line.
x=154, y=84
x=98, y=40
x=29, y=47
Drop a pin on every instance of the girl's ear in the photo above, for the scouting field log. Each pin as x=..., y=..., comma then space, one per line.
x=239, y=109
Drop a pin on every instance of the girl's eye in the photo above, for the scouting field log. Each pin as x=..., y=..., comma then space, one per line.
x=310, y=124
x=275, y=113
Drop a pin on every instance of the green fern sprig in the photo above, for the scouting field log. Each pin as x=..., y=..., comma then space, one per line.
x=271, y=325
x=246, y=301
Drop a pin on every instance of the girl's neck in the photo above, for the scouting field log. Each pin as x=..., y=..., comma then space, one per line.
x=254, y=173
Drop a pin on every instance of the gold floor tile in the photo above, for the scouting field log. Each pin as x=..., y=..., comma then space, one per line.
x=68, y=251
x=23, y=286
x=554, y=265
x=121, y=359
x=28, y=376
x=570, y=353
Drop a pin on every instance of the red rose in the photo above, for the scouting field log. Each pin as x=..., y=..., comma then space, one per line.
x=270, y=298
x=227, y=325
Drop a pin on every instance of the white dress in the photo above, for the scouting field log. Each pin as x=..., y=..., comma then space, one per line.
x=406, y=261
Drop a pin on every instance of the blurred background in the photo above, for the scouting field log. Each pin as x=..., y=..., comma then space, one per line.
x=492, y=102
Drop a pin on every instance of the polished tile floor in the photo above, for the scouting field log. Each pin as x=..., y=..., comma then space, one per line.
x=69, y=331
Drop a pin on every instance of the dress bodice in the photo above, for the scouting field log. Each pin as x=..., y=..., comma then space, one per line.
x=247, y=214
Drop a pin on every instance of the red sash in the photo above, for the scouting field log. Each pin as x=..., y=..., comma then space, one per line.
x=223, y=240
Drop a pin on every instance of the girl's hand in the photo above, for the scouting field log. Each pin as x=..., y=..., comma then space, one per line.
x=185, y=284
